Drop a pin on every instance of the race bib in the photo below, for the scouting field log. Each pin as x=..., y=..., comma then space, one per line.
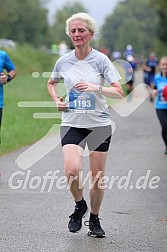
x=82, y=102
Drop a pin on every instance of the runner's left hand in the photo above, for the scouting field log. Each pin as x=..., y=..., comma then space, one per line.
x=84, y=86
x=3, y=78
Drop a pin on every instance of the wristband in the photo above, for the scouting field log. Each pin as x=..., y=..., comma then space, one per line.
x=100, y=90
x=9, y=77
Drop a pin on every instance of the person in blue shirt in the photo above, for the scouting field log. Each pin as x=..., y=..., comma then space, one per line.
x=128, y=51
x=149, y=72
x=5, y=77
x=130, y=67
x=160, y=83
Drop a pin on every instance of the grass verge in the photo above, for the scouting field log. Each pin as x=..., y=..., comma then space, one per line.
x=19, y=128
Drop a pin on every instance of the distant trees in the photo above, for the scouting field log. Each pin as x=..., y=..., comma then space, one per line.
x=161, y=9
x=24, y=21
x=132, y=22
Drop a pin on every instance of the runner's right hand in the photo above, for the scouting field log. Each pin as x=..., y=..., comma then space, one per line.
x=61, y=105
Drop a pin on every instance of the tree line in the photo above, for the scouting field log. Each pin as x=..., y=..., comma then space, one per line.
x=24, y=21
x=141, y=23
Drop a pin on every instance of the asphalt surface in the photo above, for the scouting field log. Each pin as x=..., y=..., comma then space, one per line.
x=134, y=209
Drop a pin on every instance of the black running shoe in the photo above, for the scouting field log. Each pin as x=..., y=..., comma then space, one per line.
x=75, y=222
x=95, y=229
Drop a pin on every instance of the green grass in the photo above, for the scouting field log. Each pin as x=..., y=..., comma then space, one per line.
x=28, y=59
x=19, y=128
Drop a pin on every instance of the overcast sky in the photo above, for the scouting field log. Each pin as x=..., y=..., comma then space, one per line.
x=98, y=9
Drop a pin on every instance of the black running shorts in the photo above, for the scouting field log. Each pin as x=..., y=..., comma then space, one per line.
x=97, y=139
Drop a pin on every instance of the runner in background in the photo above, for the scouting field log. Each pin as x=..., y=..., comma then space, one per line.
x=5, y=65
x=160, y=90
x=128, y=51
x=130, y=67
x=5, y=77
x=149, y=69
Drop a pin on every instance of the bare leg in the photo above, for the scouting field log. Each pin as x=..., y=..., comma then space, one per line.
x=97, y=168
x=72, y=166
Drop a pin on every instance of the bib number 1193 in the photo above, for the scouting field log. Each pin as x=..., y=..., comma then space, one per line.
x=82, y=102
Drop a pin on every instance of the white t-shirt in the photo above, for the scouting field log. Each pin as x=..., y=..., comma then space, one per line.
x=85, y=109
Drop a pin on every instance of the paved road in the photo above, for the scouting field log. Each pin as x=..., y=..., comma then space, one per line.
x=134, y=210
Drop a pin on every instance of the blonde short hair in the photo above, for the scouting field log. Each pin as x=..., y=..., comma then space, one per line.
x=163, y=58
x=91, y=23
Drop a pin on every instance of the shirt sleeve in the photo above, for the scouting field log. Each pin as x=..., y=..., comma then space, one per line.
x=56, y=73
x=8, y=64
x=110, y=73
